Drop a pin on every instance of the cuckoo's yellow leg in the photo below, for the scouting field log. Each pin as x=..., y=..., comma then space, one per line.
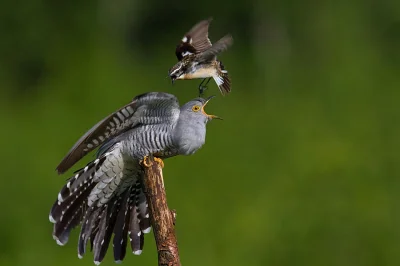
x=148, y=164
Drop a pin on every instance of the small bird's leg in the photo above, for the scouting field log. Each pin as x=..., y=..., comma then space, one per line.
x=202, y=87
x=201, y=83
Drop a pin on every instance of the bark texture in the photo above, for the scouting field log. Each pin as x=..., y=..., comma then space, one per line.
x=161, y=217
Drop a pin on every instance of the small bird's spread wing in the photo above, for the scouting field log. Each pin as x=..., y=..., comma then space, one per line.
x=217, y=48
x=148, y=108
x=195, y=41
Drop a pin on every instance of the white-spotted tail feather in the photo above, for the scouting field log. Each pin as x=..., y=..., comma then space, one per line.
x=223, y=82
x=124, y=214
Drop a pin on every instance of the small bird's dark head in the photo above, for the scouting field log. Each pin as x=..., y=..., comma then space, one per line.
x=195, y=109
x=176, y=71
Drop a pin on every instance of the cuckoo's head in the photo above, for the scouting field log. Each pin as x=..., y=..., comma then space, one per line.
x=194, y=109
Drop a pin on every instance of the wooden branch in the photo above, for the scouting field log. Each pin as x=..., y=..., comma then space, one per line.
x=161, y=217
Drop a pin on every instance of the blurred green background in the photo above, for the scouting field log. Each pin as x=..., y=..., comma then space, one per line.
x=303, y=170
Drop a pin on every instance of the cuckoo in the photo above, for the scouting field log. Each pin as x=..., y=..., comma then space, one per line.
x=106, y=197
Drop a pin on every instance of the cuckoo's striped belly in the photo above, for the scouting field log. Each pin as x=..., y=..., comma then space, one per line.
x=151, y=140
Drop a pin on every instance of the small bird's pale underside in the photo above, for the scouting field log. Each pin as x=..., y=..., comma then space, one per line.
x=200, y=73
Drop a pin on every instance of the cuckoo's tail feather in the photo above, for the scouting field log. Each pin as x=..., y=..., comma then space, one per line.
x=62, y=229
x=142, y=208
x=135, y=234
x=107, y=197
x=121, y=228
x=106, y=228
x=121, y=217
x=80, y=181
x=87, y=226
x=74, y=195
x=97, y=228
x=69, y=208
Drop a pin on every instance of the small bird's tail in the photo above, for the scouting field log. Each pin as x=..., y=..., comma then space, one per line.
x=103, y=206
x=223, y=81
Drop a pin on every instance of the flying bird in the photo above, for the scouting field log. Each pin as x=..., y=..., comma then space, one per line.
x=106, y=197
x=197, y=58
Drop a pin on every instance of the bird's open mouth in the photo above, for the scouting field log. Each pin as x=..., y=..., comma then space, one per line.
x=209, y=116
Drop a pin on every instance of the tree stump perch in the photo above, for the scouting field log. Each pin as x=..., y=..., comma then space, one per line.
x=161, y=217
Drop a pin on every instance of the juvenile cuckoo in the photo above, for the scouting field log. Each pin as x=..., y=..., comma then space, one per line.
x=106, y=197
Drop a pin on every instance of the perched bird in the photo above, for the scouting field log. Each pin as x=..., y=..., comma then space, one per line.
x=197, y=58
x=106, y=197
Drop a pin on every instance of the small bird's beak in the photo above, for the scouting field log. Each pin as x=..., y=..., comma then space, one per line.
x=209, y=116
x=172, y=77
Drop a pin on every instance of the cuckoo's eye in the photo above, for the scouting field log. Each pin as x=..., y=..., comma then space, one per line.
x=196, y=108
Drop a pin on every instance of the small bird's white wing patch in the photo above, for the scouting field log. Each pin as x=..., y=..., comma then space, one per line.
x=195, y=40
x=186, y=53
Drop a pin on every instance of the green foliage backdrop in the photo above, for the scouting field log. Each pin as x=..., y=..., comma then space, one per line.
x=304, y=169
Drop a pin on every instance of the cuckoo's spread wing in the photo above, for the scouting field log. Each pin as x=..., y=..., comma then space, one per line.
x=148, y=108
x=195, y=41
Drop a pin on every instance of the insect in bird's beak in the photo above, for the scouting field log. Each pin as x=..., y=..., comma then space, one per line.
x=209, y=116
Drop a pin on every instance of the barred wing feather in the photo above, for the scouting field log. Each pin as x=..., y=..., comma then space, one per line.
x=148, y=108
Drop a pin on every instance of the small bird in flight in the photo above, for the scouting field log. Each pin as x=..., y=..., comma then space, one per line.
x=198, y=58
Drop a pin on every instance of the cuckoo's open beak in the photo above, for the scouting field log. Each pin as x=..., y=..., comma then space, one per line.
x=209, y=116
